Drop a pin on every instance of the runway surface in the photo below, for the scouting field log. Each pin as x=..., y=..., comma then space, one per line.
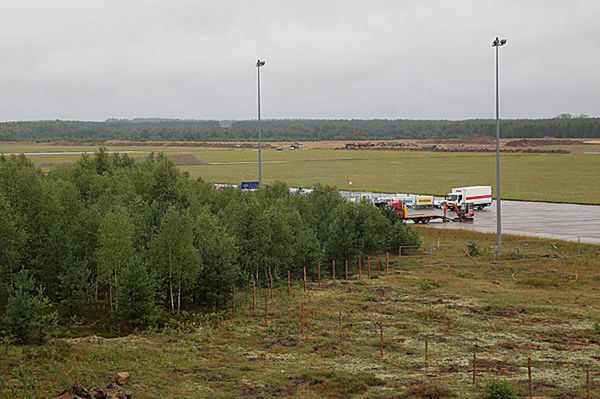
x=539, y=219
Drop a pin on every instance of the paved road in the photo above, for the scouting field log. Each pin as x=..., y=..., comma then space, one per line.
x=560, y=221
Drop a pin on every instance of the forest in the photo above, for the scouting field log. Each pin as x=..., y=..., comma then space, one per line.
x=564, y=126
x=108, y=240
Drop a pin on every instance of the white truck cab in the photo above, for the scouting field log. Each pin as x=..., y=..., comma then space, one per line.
x=477, y=196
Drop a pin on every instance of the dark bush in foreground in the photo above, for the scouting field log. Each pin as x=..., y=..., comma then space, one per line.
x=26, y=318
x=499, y=389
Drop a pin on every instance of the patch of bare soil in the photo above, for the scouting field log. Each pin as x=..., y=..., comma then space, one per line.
x=466, y=140
x=203, y=144
x=178, y=159
x=542, y=142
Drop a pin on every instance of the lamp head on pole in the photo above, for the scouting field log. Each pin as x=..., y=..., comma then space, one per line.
x=259, y=63
x=498, y=42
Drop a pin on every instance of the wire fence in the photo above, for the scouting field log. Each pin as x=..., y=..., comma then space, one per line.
x=522, y=251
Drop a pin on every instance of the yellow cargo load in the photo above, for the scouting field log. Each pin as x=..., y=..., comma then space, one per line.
x=424, y=201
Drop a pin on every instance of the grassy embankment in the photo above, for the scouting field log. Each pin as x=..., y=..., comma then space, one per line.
x=534, y=177
x=542, y=308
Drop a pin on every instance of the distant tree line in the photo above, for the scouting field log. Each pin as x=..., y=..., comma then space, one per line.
x=563, y=126
x=109, y=237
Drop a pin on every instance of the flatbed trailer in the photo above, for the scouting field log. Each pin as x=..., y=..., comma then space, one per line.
x=465, y=215
x=424, y=218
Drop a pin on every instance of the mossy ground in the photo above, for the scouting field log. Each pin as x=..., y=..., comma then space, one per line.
x=540, y=308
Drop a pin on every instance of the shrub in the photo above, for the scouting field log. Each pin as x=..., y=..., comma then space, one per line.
x=401, y=235
x=136, y=297
x=473, y=248
x=596, y=328
x=27, y=313
x=499, y=389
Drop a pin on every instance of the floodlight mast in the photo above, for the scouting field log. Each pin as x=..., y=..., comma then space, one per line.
x=259, y=64
x=498, y=43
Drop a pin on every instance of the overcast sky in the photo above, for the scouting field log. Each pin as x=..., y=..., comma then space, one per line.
x=416, y=59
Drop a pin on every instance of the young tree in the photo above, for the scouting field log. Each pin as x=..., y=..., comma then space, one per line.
x=74, y=286
x=372, y=228
x=26, y=317
x=401, y=235
x=173, y=255
x=218, y=252
x=137, y=296
x=12, y=241
x=115, y=249
x=343, y=238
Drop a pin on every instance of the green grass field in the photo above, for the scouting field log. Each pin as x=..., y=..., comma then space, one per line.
x=571, y=178
x=544, y=309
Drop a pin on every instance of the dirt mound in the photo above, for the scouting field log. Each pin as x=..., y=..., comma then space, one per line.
x=542, y=142
x=204, y=144
x=526, y=150
x=185, y=159
x=179, y=159
x=464, y=140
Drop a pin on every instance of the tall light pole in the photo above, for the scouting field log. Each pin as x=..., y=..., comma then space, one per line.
x=259, y=63
x=498, y=43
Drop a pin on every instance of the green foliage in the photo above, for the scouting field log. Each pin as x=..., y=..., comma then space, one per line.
x=499, y=389
x=12, y=239
x=473, y=248
x=596, y=328
x=173, y=256
x=27, y=311
x=115, y=248
x=402, y=235
x=298, y=129
x=425, y=285
x=74, y=286
x=136, y=296
x=218, y=252
x=78, y=228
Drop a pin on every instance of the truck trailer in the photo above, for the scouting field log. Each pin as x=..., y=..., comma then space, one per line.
x=477, y=196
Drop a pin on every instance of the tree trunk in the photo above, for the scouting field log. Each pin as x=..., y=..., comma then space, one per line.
x=179, y=296
x=110, y=298
x=171, y=295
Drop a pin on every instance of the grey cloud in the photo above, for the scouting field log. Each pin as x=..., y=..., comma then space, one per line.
x=83, y=59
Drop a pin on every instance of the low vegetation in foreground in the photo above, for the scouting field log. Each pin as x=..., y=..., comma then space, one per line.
x=545, y=308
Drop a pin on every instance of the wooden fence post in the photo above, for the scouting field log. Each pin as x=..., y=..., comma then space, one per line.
x=346, y=269
x=333, y=268
x=233, y=304
x=378, y=264
x=387, y=262
x=587, y=384
x=271, y=285
x=529, y=376
x=319, y=274
x=369, y=267
x=304, y=272
x=360, y=269
x=289, y=282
